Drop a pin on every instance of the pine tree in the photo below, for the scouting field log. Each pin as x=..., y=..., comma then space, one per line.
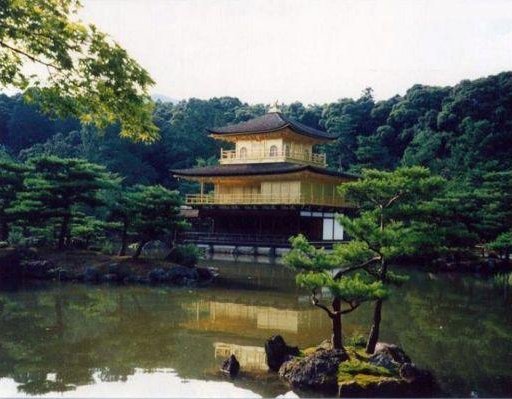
x=149, y=212
x=349, y=286
x=11, y=182
x=56, y=189
x=394, y=219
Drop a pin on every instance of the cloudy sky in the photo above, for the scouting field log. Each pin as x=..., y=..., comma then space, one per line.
x=307, y=50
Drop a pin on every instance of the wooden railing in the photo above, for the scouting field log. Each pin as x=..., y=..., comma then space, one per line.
x=272, y=240
x=266, y=199
x=232, y=156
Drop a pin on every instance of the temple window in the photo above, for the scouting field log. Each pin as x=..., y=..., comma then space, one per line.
x=273, y=151
x=243, y=152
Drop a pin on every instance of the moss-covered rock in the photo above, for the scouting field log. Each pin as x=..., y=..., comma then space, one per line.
x=367, y=385
x=353, y=373
x=316, y=371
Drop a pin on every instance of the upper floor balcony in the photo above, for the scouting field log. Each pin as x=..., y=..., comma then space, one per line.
x=318, y=199
x=273, y=154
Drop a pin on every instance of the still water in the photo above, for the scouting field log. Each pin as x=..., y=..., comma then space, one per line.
x=132, y=341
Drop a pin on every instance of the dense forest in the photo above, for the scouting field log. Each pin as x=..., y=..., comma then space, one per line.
x=462, y=133
x=456, y=131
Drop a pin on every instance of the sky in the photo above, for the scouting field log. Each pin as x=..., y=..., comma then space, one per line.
x=313, y=51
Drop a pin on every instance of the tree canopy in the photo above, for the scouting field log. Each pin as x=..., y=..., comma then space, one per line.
x=55, y=190
x=436, y=127
x=71, y=68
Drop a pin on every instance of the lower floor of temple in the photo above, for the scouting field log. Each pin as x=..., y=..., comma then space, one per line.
x=272, y=225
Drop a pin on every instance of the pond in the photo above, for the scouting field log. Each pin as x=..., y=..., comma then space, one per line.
x=138, y=341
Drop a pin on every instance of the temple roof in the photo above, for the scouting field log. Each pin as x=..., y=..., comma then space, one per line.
x=271, y=122
x=273, y=168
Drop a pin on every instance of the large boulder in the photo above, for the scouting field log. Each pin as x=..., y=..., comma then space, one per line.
x=231, y=366
x=384, y=360
x=318, y=371
x=10, y=269
x=394, y=351
x=277, y=352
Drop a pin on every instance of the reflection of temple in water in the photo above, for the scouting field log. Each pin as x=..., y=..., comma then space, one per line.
x=250, y=357
x=256, y=320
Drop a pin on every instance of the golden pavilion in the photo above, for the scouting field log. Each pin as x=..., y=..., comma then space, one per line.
x=271, y=185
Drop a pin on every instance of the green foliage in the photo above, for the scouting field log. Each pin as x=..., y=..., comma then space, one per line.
x=398, y=214
x=461, y=133
x=317, y=272
x=89, y=229
x=502, y=243
x=146, y=213
x=494, y=195
x=502, y=280
x=88, y=75
x=11, y=182
x=358, y=287
x=156, y=209
x=356, y=340
x=305, y=256
x=56, y=190
x=185, y=255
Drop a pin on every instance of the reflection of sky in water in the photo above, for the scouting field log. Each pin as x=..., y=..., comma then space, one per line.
x=60, y=337
x=157, y=384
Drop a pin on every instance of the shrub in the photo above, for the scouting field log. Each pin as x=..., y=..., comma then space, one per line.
x=185, y=255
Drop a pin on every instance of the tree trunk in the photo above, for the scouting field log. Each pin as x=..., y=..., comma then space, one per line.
x=63, y=231
x=124, y=239
x=377, y=314
x=337, y=332
x=139, y=249
x=374, y=332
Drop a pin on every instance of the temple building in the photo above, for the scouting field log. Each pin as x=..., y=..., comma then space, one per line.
x=272, y=184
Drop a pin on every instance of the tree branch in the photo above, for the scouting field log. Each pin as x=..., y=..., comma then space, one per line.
x=393, y=199
x=316, y=302
x=29, y=56
x=351, y=309
x=363, y=265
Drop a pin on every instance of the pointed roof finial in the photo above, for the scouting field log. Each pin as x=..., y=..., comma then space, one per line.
x=274, y=107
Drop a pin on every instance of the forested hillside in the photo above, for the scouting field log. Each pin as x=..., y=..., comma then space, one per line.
x=456, y=131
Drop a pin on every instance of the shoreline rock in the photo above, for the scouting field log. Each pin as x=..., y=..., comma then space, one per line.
x=19, y=265
x=388, y=372
x=231, y=366
x=318, y=371
x=277, y=352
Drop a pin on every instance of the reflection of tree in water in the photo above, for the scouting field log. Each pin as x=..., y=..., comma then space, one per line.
x=73, y=338
x=64, y=336
x=460, y=328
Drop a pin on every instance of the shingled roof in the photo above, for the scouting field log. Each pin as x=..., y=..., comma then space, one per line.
x=271, y=122
x=256, y=169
